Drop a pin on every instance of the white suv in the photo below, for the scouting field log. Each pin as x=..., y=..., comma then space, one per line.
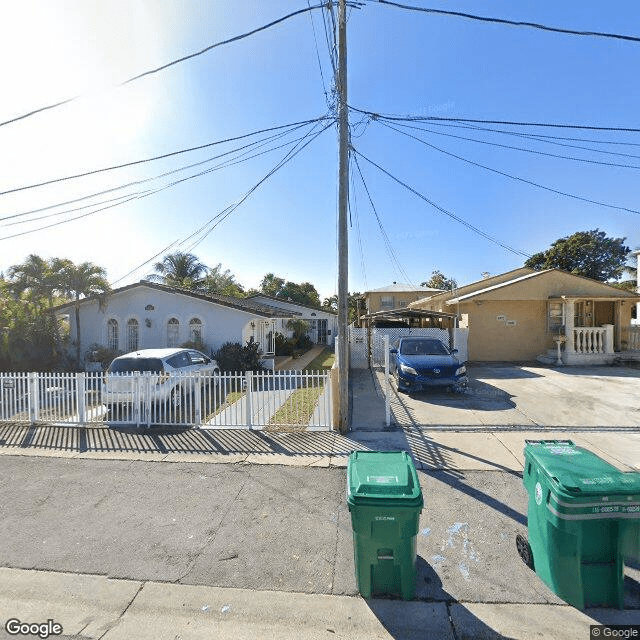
x=156, y=384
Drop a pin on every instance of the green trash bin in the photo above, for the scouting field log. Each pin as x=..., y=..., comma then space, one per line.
x=385, y=501
x=583, y=519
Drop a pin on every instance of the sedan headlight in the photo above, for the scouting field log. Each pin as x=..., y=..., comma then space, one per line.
x=461, y=370
x=407, y=369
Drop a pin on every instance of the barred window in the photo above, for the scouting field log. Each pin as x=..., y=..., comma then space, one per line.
x=112, y=334
x=173, y=332
x=133, y=333
x=555, y=317
x=195, y=330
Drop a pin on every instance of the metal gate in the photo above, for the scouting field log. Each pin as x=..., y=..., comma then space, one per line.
x=395, y=333
x=289, y=400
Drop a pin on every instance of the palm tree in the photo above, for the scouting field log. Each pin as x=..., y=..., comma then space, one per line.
x=33, y=276
x=179, y=270
x=86, y=279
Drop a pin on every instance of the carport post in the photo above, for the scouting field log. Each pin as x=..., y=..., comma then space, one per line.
x=387, y=408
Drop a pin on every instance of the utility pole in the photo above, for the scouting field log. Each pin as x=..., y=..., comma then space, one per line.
x=343, y=237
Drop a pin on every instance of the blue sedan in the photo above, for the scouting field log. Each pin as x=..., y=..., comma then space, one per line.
x=419, y=363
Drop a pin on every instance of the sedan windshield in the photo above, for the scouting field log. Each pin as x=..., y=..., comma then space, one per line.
x=423, y=348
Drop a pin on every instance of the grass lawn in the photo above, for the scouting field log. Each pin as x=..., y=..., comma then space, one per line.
x=323, y=361
x=296, y=412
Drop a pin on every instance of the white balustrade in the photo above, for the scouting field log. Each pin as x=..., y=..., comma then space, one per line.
x=590, y=340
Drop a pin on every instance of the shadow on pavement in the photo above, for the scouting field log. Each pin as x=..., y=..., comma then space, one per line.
x=502, y=371
x=394, y=614
x=79, y=439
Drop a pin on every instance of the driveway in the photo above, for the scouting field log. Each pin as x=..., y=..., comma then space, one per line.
x=532, y=396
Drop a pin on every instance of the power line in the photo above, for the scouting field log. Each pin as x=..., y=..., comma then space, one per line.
x=160, y=157
x=443, y=210
x=147, y=193
x=538, y=137
x=512, y=123
x=357, y=219
x=173, y=62
x=513, y=23
x=385, y=236
x=204, y=230
x=247, y=148
x=511, y=176
x=534, y=151
x=222, y=42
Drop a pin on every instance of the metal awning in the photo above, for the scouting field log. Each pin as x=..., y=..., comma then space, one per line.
x=395, y=314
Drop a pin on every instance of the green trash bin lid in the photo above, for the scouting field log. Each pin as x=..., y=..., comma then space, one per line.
x=389, y=477
x=576, y=472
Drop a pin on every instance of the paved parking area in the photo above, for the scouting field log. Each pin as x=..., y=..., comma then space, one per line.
x=526, y=396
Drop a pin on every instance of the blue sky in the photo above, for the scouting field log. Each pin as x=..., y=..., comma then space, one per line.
x=400, y=62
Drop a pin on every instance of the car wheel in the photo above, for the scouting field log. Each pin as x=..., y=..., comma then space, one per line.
x=524, y=550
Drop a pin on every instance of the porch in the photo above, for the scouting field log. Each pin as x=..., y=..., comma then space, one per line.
x=591, y=331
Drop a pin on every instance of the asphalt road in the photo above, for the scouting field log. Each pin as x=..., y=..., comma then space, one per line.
x=271, y=528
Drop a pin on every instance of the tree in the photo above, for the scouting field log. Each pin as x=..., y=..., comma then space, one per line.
x=222, y=283
x=86, y=279
x=353, y=308
x=270, y=285
x=439, y=281
x=29, y=335
x=40, y=279
x=585, y=253
x=304, y=293
x=330, y=304
x=179, y=270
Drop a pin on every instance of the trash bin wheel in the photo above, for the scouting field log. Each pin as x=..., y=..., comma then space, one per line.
x=524, y=550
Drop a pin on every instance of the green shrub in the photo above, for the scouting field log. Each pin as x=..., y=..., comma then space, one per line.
x=232, y=356
x=284, y=345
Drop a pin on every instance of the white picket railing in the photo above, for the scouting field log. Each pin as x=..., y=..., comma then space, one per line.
x=631, y=338
x=254, y=400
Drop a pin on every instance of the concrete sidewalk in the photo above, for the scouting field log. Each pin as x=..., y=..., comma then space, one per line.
x=98, y=607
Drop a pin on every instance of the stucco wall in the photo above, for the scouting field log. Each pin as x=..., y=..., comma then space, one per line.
x=493, y=339
x=220, y=324
x=374, y=299
x=307, y=314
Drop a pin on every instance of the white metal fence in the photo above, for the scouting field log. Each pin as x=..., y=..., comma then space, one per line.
x=290, y=400
x=367, y=347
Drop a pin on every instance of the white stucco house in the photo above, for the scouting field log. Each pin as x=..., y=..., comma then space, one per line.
x=323, y=324
x=147, y=315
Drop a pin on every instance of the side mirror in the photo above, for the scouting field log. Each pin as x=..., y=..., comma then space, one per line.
x=454, y=351
x=393, y=351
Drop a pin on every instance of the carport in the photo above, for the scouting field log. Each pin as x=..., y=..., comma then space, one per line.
x=412, y=318
x=367, y=341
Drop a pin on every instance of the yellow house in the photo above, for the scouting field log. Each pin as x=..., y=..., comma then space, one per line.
x=395, y=296
x=525, y=315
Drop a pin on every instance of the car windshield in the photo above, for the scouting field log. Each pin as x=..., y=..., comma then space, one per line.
x=423, y=348
x=131, y=365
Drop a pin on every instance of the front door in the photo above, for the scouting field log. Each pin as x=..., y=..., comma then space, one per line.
x=322, y=332
x=603, y=313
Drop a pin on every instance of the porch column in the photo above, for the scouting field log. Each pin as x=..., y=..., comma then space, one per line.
x=569, y=311
x=608, y=338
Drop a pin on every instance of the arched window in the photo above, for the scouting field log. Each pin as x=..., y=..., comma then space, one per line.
x=173, y=332
x=112, y=334
x=132, y=334
x=195, y=330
